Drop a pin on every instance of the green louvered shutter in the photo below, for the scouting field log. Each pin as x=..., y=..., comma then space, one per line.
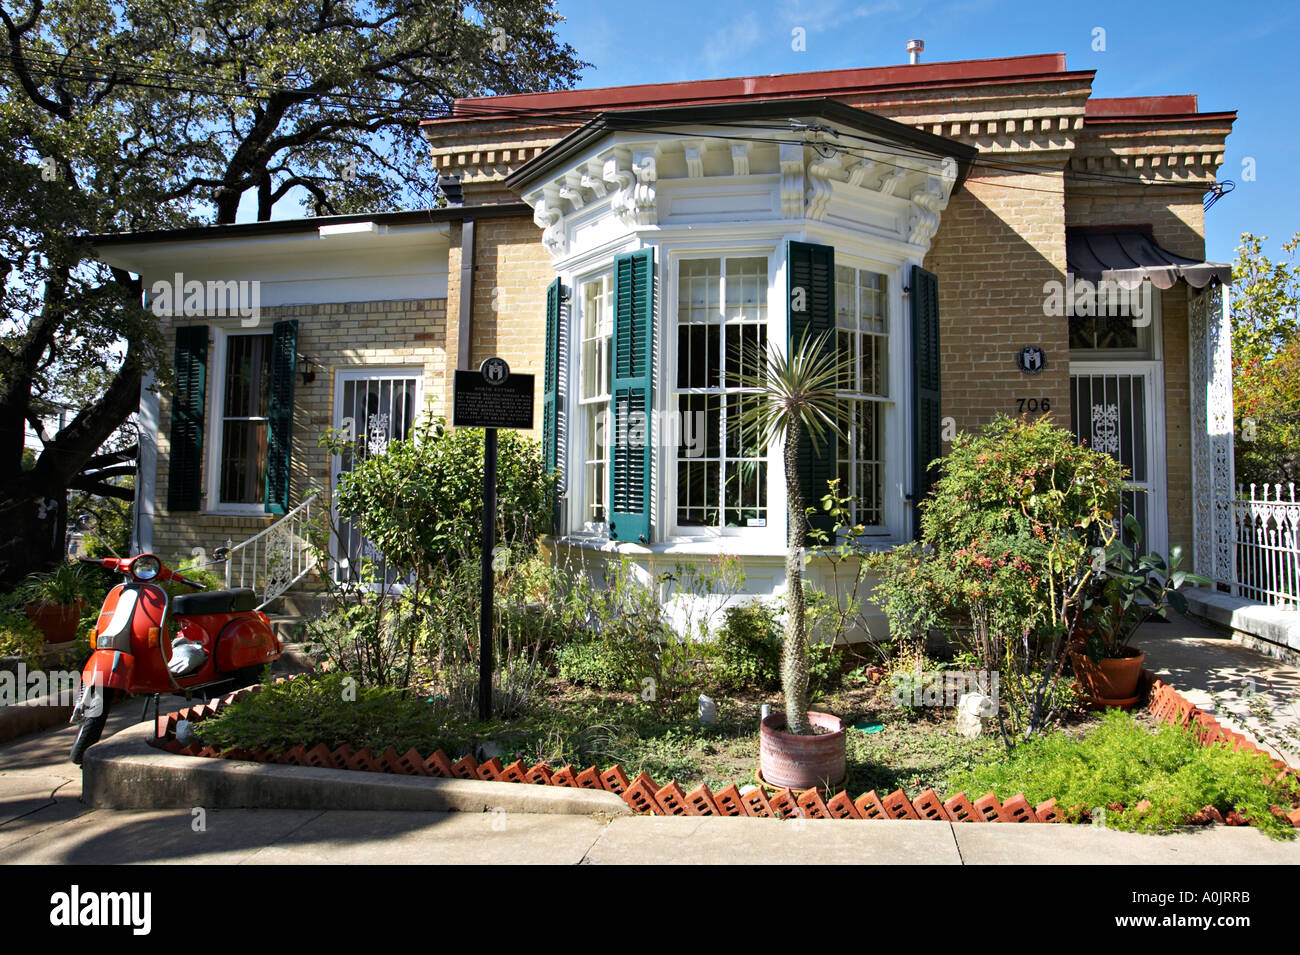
x=926, y=406
x=632, y=396
x=551, y=389
x=185, y=474
x=279, y=439
x=811, y=287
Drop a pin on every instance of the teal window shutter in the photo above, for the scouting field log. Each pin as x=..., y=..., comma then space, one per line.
x=552, y=413
x=927, y=441
x=632, y=396
x=811, y=286
x=551, y=378
x=279, y=439
x=185, y=473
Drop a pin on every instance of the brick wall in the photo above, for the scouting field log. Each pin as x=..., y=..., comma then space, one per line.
x=337, y=337
x=1000, y=240
x=511, y=272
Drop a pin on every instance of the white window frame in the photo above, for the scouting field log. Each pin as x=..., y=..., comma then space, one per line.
x=777, y=324
x=887, y=402
x=216, y=418
x=898, y=410
x=578, y=423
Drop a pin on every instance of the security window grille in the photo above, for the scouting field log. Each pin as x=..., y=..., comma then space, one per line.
x=244, y=420
x=862, y=329
x=721, y=323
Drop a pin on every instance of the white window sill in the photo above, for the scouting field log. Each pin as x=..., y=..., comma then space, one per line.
x=739, y=546
x=237, y=512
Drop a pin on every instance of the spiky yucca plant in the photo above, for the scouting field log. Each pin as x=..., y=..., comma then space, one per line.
x=797, y=396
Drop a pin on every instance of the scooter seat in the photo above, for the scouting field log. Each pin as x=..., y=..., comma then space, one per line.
x=240, y=600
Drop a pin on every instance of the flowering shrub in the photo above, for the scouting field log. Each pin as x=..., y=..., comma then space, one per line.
x=1008, y=536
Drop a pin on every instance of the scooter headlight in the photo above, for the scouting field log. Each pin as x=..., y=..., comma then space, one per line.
x=145, y=567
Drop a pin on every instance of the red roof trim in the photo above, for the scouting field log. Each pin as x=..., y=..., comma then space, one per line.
x=1229, y=116
x=1149, y=109
x=819, y=83
x=1141, y=105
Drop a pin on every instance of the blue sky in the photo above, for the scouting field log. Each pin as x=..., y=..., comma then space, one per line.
x=1240, y=57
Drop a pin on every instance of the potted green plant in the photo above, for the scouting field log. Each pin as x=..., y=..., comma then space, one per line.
x=1125, y=591
x=55, y=601
x=796, y=397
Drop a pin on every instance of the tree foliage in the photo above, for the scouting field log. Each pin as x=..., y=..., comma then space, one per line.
x=1266, y=362
x=125, y=115
x=420, y=502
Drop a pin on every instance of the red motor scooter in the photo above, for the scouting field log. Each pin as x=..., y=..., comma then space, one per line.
x=146, y=642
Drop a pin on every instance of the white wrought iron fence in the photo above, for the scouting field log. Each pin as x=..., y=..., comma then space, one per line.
x=276, y=558
x=1267, y=536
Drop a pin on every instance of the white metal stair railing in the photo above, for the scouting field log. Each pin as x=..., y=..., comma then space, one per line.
x=275, y=558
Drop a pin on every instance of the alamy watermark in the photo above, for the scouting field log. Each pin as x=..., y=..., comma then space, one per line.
x=1086, y=299
x=52, y=687
x=916, y=688
x=636, y=429
x=241, y=298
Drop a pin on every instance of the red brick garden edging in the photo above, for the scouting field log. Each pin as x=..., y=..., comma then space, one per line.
x=643, y=795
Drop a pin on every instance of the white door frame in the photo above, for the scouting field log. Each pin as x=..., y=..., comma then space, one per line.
x=1154, y=387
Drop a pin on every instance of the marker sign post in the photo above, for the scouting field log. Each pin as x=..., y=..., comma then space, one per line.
x=490, y=398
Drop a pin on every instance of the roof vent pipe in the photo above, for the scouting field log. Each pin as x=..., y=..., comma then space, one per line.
x=914, y=50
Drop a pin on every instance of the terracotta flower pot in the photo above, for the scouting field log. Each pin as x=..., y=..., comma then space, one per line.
x=802, y=762
x=1113, y=681
x=57, y=621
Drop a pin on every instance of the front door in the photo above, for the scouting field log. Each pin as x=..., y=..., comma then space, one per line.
x=375, y=407
x=1115, y=407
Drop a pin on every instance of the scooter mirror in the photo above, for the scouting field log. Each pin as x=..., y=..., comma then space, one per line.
x=220, y=554
x=85, y=522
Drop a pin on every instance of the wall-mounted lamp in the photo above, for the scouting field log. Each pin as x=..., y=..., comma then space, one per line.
x=306, y=368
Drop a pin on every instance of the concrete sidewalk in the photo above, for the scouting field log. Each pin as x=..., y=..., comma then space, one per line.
x=248, y=836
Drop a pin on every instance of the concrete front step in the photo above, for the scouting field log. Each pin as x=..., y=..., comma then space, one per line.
x=304, y=604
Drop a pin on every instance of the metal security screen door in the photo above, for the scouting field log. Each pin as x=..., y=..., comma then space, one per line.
x=376, y=407
x=1117, y=412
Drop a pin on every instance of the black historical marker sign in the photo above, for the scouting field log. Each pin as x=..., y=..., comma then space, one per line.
x=492, y=397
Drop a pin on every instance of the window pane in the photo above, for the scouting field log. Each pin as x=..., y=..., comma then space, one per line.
x=597, y=328
x=248, y=376
x=746, y=290
x=697, y=356
x=243, y=462
x=746, y=346
x=597, y=443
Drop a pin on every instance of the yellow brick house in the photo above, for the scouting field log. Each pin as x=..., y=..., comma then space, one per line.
x=625, y=244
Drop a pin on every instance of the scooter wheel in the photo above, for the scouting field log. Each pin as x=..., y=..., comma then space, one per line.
x=91, y=729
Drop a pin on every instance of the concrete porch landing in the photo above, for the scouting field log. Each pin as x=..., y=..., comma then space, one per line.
x=1200, y=661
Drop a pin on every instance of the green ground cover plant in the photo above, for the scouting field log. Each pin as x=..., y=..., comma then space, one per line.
x=1123, y=762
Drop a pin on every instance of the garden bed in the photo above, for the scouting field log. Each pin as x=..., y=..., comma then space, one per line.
x=724, y=747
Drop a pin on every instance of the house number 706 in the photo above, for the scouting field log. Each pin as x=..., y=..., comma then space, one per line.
x=1033, y=405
